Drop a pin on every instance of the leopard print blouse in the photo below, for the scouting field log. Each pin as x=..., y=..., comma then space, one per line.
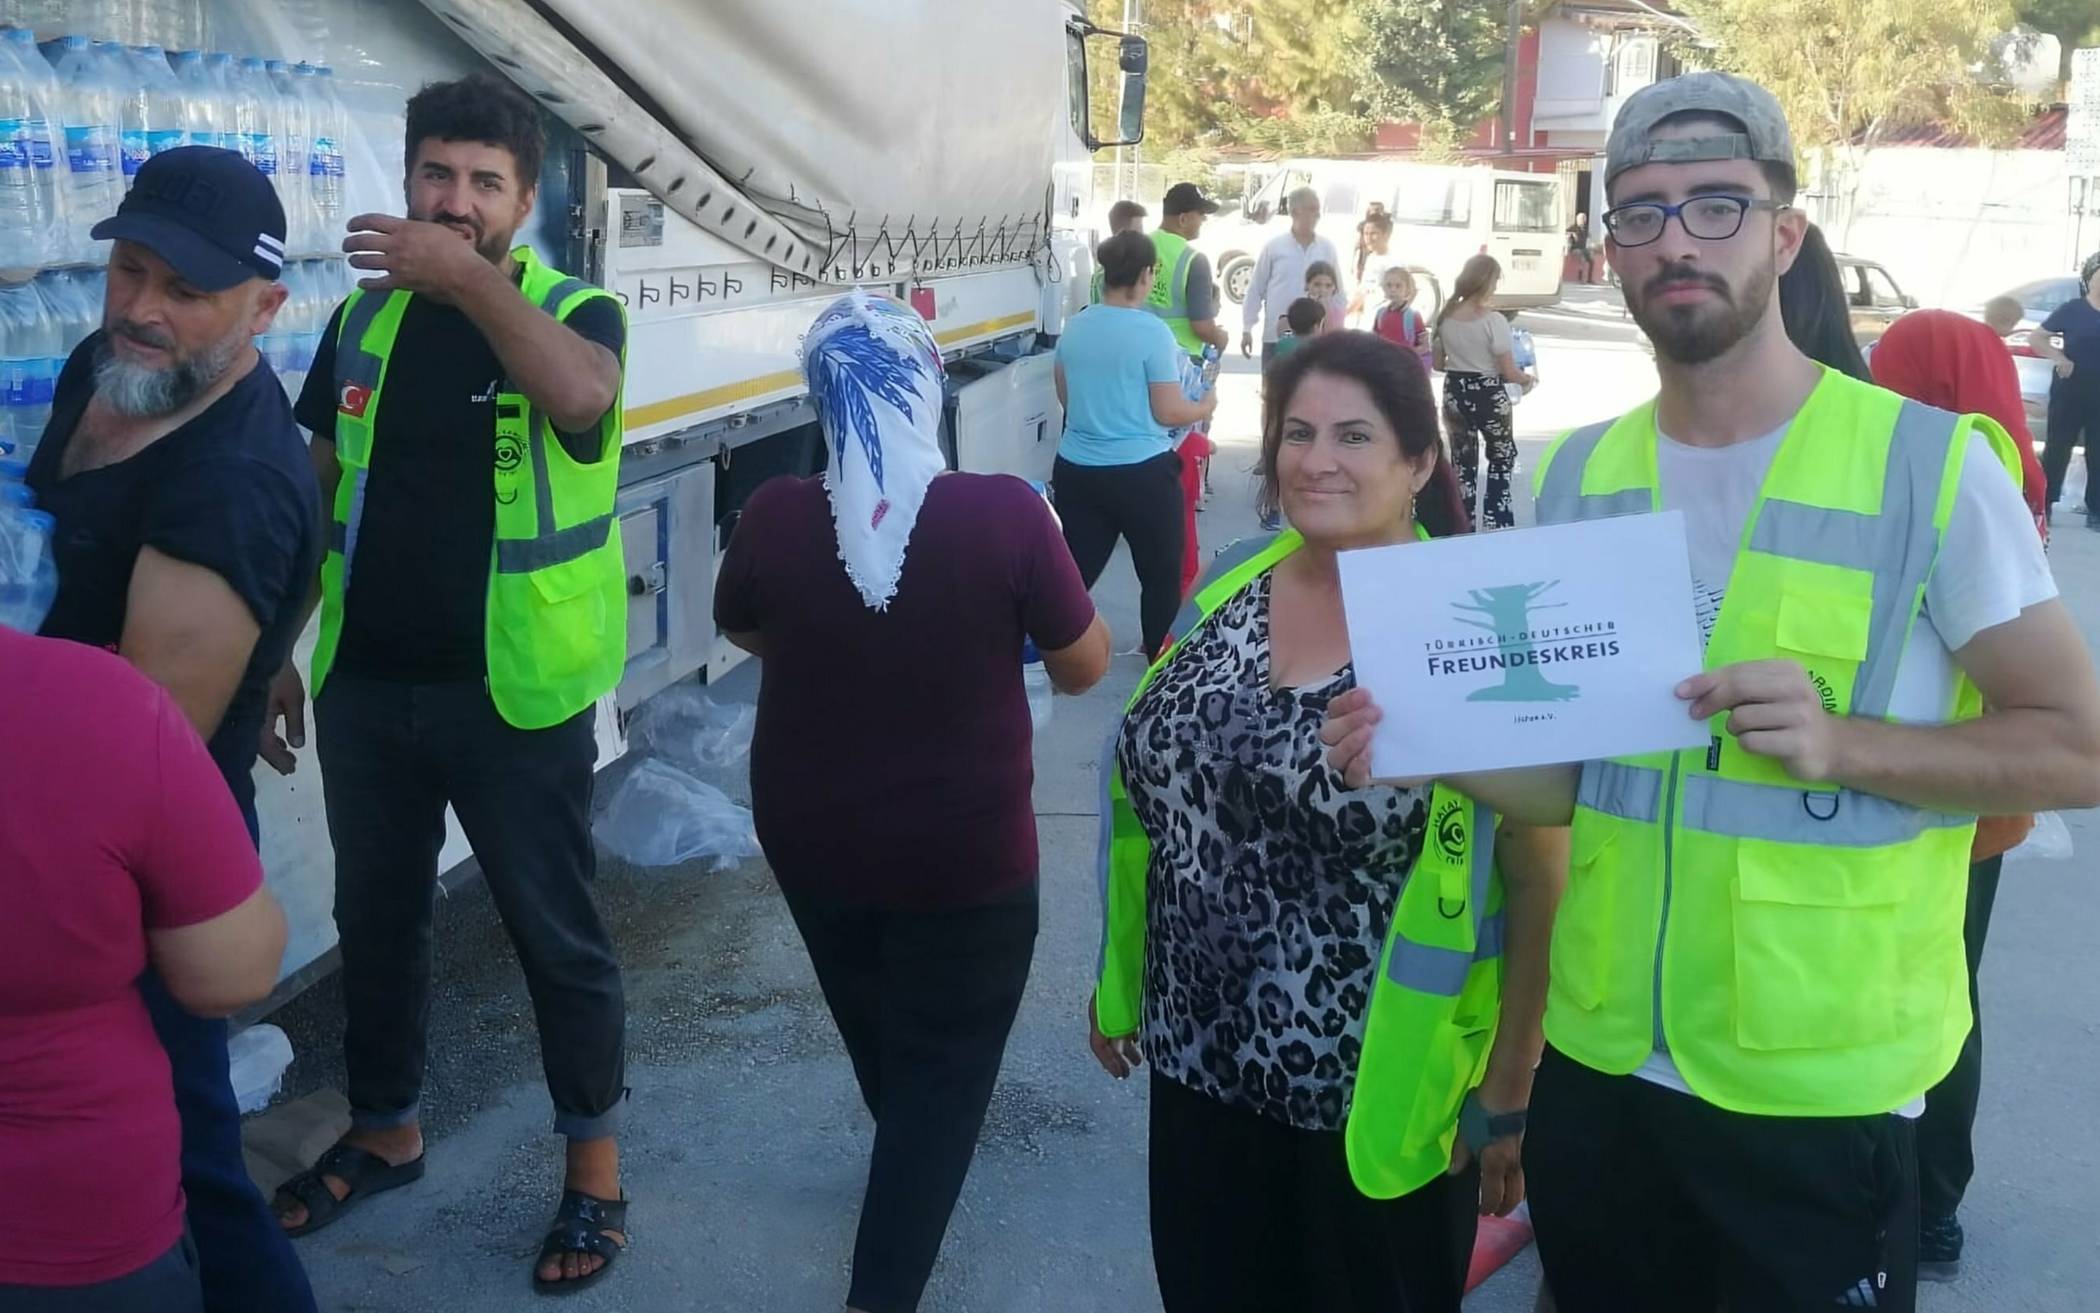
x=1270, y=885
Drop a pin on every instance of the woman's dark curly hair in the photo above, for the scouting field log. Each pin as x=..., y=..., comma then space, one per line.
x=1398, y=385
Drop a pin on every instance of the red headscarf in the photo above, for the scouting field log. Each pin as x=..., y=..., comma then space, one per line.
x=1951, y=361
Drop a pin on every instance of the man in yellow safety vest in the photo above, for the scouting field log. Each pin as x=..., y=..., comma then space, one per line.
x=1757, y=968
x=465, y=407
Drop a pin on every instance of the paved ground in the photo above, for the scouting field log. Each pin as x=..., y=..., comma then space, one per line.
x=746, y=1144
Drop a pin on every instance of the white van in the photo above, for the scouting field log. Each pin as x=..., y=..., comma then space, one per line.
x=1442, y=216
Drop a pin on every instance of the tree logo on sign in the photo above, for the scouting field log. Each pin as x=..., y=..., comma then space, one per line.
x=1506, y=613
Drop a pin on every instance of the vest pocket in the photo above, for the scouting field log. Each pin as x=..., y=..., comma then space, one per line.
x=1587, y=924
x=1827, y=633
x=1817, y=933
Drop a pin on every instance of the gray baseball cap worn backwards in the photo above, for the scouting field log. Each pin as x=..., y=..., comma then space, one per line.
x=1764, y=138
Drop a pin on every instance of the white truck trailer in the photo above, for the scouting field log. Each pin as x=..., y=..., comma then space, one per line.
x=726, y=167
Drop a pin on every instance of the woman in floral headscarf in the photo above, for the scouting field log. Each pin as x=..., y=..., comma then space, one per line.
x=891, y=769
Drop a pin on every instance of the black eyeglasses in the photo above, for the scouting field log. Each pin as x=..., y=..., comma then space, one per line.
x=1708, y=218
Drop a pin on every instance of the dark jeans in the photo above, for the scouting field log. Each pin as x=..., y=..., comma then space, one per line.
x=392, y=756
x=923, y=1001
x=1142, y=505
x=168, y=1284
x=1946, y=1157
x=1649, y=1200
x=245, y=1263
x=2074, y=418
x=1250, y=1215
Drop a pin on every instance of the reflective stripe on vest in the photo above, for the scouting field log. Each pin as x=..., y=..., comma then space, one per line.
x=1797, y=946
x=556, y=635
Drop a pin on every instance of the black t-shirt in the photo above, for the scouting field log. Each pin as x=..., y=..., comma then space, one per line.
x=417, y=607
x=232, y=491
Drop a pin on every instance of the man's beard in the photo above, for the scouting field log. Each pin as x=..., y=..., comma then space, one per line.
x=491, y=247
x=143, y=392
x=1693, y=333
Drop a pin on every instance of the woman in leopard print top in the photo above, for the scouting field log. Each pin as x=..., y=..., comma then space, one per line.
x=1271, y=885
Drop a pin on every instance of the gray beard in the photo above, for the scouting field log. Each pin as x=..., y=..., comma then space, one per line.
x=141, y=392
x=1692, y=335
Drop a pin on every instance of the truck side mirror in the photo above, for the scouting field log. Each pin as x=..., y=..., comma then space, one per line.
x=1091, y=111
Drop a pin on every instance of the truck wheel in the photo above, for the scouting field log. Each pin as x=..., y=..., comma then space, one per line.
x=1238, y=272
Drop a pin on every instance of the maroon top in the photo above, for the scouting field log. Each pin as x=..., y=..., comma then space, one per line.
x=113, y=821
x=893, y=759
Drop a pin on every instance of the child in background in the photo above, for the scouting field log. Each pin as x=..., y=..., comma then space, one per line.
x=1397, y=321
x=1324, y=285
x=2002, y=315
x=1306, y=318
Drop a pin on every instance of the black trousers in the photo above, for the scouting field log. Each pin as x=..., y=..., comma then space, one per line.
x=923, y=1001
x=1140, y=504
x=2074, y=419
x=1946, y=1156
x=1647, y=1200
x=392, y=756
x=1250, y=1215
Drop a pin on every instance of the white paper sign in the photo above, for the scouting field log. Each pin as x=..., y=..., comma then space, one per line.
x=1525, y=647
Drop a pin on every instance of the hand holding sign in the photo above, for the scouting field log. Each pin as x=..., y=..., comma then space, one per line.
x=1774, y=711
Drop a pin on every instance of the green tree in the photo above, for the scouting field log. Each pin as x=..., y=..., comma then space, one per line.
x=1433, y=62
x=2074, y=23
x=1849, y=72
x=1276, y=74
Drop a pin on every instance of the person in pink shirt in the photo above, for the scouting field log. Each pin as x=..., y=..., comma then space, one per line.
x=120, y=846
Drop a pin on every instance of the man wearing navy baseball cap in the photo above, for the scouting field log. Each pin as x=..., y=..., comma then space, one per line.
x=188, y=528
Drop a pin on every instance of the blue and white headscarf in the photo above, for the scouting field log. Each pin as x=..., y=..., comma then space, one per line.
x=875, y=373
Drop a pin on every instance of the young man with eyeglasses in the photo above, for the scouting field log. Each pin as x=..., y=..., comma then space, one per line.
x=1757, y=966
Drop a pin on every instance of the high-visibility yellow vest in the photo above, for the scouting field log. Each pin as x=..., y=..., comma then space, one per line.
x=1796, y=946
x=1437, y=997
x=557, y=602
x=1170, y=288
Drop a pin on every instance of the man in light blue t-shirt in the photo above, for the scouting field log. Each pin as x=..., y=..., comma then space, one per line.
x=1117, y=477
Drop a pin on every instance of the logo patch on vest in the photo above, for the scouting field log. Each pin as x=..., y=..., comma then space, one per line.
x=354, y=400
x=1449, y=828
x=510, y=455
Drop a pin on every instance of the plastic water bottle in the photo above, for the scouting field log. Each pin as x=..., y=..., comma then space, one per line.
x=30, y=211
x=73, y=300
x=294, y=182
x=24, y=209
x=219, y=70
x=88, y=114
x=127, y=83
x=1036, y=680
x=325, y=169
x=28, y=571
x=29, y=346
x=163, y=110
x=203, y=108
x=251, y=116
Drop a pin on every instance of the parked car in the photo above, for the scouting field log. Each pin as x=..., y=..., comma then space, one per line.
x=1876, y=300
x=2038, y=300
